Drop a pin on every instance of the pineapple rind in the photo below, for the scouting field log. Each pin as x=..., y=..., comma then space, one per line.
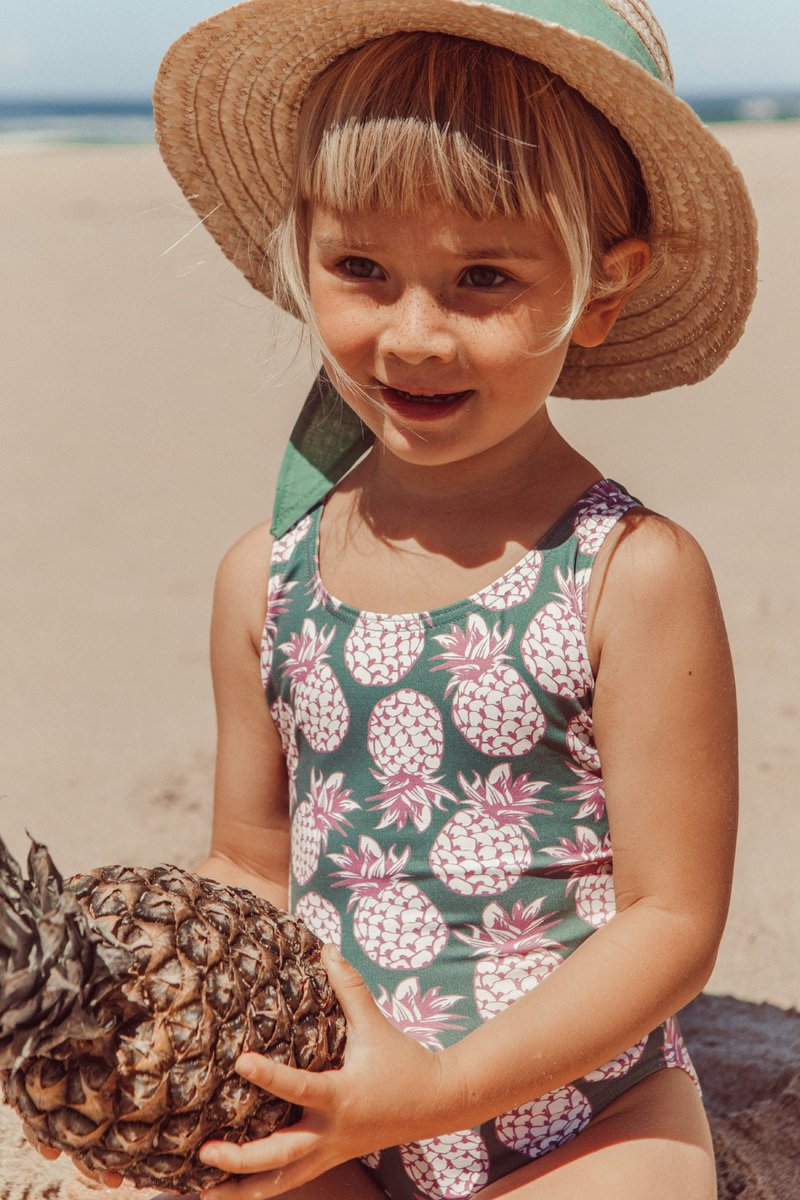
x=214, y=971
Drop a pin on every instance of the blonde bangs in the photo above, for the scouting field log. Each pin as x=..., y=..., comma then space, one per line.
x=416, y=119
x=402, y=164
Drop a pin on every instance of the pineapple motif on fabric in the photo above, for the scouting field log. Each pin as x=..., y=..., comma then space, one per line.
x=449, y=828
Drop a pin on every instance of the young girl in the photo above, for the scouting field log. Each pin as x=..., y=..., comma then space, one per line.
x=496, y=765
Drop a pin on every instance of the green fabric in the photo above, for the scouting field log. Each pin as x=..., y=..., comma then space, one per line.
x=590, y=18
x=326, y=442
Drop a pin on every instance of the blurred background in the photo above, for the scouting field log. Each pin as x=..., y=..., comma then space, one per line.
x=147, y=392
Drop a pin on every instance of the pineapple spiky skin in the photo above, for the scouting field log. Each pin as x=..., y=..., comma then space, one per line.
x=135, y=1074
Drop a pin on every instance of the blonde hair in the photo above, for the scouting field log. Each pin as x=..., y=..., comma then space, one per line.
x=489, y=132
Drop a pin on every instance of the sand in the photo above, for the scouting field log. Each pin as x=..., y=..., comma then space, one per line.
x=146, y=396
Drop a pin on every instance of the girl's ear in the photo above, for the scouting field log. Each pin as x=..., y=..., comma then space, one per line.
x=625, y=266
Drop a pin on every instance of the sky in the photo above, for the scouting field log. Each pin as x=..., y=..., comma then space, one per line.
x=111, y=48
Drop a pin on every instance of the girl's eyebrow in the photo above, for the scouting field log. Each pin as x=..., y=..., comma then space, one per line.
x=499, y=252
x=335, y=245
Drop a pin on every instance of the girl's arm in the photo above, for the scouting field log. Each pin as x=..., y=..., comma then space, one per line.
x=664, y=720
x=250, y=833
x=665, y=726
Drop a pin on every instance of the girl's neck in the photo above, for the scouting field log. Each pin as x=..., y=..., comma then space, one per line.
x=512, y=480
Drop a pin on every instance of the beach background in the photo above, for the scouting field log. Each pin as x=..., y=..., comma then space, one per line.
x=147, y=394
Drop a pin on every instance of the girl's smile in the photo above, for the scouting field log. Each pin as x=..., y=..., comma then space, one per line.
x=450, y=329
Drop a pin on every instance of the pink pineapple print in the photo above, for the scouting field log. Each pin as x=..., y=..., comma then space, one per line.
x=515, y=954
x=320, y=707
x=589, y=791
x=542, y=1124
x=422, y=1015
x=322, y=810
x=554, y=647
x=283, y=717
x=395, y=923
x=599, y=510
x=588, y=864
x=406, y=740
x=674, y=1052
x=580, y=741
x=321, y=917
x=277, y=604
x=284, y=547
x=380, y=651
x=317, y=594
x=515, y=587
x=493, y=707
x=485, y=847
x=618, y=1066
x=449, y=1167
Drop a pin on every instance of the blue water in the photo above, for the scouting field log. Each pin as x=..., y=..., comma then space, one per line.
x=35, y=123
x=26, y=125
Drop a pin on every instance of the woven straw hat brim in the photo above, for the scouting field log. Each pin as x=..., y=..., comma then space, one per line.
x=226, y=104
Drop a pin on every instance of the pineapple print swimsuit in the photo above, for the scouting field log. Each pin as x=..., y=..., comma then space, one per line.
x=449, y=830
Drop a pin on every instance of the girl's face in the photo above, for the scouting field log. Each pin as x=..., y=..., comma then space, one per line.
x=447, y=323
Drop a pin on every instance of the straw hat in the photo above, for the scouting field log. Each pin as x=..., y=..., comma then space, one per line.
x=226, y=105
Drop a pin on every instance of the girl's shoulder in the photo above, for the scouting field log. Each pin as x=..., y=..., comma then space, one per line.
x=241, y=587
x=649, y=574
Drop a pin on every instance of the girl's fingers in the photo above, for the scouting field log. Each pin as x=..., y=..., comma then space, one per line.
x=351, y=991
x=271, y=1154
x=305, y=1088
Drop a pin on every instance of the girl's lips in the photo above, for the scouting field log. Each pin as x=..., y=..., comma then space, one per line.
x=430, y=407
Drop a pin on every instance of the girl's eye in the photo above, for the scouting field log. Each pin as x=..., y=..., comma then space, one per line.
x=361, y=268
x=484, y=277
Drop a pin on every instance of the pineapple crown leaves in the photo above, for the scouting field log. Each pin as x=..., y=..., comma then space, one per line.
x=278, y=599
x=505, y=798
x=330, y=801
x=590, y=791
x=408, y=796
x=54, y=965
x=306, y=650
x=587, y=855
x=367, y=871
x=471, y=652
x=573, y=590
x=510, y=933
x=420, y=1014
x=316, y=593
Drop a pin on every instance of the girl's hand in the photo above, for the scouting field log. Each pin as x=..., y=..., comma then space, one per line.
x=390, y=1090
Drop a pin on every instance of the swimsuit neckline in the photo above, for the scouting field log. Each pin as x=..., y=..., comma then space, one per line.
x=545, y=544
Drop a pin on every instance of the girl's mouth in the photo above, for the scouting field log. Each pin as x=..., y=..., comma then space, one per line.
x=423, y=406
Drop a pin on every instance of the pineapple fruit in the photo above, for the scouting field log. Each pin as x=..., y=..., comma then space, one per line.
x=126, y=997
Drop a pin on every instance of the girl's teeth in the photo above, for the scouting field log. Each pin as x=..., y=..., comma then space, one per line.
x=435, y=399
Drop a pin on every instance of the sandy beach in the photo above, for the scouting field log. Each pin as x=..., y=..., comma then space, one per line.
x=147, y=393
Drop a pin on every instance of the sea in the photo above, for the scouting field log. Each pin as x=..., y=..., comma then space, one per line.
x=28, y=125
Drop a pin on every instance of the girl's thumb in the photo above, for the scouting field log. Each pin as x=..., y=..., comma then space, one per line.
x=351, y=991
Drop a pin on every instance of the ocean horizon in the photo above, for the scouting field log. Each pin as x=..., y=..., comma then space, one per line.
x=37, y=123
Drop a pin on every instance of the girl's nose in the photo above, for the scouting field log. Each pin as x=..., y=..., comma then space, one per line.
x=417, y=327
